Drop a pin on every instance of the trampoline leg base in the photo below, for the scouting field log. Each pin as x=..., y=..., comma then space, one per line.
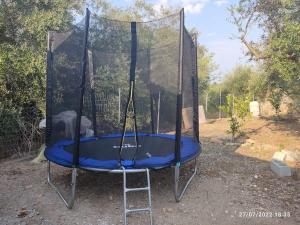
x=179, y=193
x=69, y=203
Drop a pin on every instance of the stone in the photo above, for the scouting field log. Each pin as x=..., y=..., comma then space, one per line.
x=169, y=209
x=291, y=156
x=280, y=168
x=250, y=141
x=232, y=144
x=22, y=212
x=279, y=156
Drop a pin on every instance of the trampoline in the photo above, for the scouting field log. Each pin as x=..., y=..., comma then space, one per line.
x=156, y=152
x=122, y=97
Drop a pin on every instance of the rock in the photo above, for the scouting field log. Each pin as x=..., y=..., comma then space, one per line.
x=267, y=146
x=110, y=197
x=291, y=156
x=169, y=210
x=232, y=144
x=279, y=156
x=22, y=212
x=280, y=168
x=250, y=141
x=255, y=176
x=287, y=203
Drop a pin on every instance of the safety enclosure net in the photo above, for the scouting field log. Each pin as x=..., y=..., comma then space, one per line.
x=122, y=79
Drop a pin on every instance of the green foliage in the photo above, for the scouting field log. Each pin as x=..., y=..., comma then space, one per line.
x=20, y=75
x=237, y=108
x=245, y=80
x=8, y=120
x=23, y=45
x=206, y=68
x=275, y=99
x=234, y=127
x=284, y=51
x=278, y=50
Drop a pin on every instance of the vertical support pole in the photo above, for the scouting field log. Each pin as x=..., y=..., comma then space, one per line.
x=131, y=96
x=195, y=88
x=149, y=196
x=179, y=94
x=82, y=88
x=125, y=196
x=92, y=86
x=206, y=100
x=151, y=91
x=158, y=113
x=49, y=91
x=152, y=112
x=220, y=105
x=233, y=113
x=119, y=113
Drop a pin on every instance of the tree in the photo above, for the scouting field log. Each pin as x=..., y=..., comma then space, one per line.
x=275, y=99
x=23, y=45
x=206, y=68
x=279, y=46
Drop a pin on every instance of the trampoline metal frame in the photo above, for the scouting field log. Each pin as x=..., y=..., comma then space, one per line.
x=69, y=203
x=178, y=193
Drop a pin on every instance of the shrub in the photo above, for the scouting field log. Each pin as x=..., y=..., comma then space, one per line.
x=237, y=108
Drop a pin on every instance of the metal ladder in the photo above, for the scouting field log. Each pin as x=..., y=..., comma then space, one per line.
x=126, y=190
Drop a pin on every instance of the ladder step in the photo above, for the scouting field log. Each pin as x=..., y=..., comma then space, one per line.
x=138, y=210
x=137, y=189
x=136, y=171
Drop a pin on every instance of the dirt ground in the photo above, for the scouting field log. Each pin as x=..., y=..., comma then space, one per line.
x=234, y=185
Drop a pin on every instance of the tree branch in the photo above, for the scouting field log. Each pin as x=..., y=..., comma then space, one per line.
x=255, y=53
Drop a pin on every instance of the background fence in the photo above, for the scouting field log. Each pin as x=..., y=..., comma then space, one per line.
x=211, y=102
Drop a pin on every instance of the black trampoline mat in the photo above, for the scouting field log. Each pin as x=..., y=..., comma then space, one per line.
x=107, y=148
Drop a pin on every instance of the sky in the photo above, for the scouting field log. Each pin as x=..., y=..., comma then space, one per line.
x=211, y=18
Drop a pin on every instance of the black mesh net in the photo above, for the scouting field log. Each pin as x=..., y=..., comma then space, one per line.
x=189, y=87
x=63, y=84
x=107, y=79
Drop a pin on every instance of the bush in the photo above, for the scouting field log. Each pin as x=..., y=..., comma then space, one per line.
x=275, y=99
x=237, y=108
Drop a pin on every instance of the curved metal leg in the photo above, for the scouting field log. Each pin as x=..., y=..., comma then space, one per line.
x=179, y=193
x=69, y=203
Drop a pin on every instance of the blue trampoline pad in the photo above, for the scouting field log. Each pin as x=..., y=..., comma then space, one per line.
x=154, y=151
